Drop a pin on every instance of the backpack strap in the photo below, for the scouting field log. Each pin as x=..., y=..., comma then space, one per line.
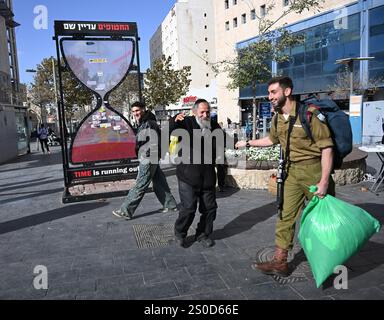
x=305, y=115
x=292, y=121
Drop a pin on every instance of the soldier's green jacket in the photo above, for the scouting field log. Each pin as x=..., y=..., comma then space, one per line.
x=301, y=147
x=303, y=170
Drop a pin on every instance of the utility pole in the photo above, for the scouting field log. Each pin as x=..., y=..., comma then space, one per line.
x=56, y=99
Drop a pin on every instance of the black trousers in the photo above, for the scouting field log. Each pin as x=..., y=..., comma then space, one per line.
x=44, y=142
x=189, y=197
x=221, y=174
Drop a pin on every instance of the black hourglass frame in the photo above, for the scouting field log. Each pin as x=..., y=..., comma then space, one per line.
x=87, y=172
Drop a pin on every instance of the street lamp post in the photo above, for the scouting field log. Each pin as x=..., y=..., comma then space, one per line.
x=55, y=88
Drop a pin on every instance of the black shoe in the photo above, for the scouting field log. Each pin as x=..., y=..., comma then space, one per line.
x=182, y=242
x=121, y=214
x=205, y=241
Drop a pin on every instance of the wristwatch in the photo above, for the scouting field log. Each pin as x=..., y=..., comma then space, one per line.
x=247, y=145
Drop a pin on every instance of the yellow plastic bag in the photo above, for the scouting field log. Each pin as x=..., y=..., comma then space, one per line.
x=173, y=146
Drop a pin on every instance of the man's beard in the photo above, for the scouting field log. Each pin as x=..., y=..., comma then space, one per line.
x=280, y=103
x=203, y=123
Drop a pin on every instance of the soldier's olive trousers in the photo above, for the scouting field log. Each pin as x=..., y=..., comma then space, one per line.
x=296, y=185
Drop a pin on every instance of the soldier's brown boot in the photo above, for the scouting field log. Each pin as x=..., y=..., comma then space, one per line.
x=277, y=266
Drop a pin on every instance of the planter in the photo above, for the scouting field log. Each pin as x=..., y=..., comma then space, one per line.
x=249, y=178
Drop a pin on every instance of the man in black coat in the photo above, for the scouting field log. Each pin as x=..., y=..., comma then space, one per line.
x=196, y=175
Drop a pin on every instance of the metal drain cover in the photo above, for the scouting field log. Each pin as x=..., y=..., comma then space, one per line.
x=296, y=260
x=153, y=235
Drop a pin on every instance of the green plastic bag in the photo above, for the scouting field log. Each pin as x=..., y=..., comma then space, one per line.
x=331, y=231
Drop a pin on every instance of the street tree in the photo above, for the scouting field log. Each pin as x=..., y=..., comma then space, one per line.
x=163, y=85
x=252, y=64
x=42, y=90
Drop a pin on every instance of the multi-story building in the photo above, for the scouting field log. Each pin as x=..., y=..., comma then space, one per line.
x=14, y=133
x=339, y=29
x=187, y=35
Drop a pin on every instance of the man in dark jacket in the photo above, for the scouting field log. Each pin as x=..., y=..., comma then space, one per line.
x=196, y=175
x=147, y=143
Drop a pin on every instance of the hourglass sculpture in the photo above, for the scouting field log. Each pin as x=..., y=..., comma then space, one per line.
x=99, y=55
x=100, y=65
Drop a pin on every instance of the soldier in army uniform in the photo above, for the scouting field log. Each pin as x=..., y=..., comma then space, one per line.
x=309, y=163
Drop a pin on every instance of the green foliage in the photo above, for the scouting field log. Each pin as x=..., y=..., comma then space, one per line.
x=42, y=90
x=163, y=85
x=256, y=154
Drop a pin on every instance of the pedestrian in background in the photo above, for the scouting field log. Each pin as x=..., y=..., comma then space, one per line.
x=42, y=134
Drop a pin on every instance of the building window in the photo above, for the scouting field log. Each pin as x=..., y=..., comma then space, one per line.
x=227, y=25
x=206, y=50
x=243, y=18
x=205, y=27
x=206, y=39
x=235, y=22
x=285, y=3
x=263, y=10
x=234, y=2
x=205, y=14
x=207, y=74
x=226, y=4
x=253, y=14
x=376, y=38
x=207, y=85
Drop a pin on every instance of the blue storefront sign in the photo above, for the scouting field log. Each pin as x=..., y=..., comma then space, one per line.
x=265, y=110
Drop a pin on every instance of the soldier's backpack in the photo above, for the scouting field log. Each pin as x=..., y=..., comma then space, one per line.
x=327, y=111
x=338, y=123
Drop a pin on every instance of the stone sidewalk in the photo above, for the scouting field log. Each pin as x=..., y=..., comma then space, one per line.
x=91, y=254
